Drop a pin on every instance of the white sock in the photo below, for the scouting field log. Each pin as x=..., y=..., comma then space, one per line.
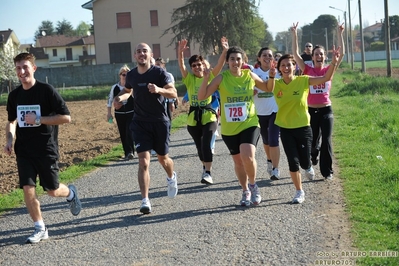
x=71, y=195
x=40, y=224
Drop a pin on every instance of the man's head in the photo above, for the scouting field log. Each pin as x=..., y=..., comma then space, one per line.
x=25, y=67
x=308, y=48
x=143, y=54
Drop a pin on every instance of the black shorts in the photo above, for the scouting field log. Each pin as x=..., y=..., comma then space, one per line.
x=249, y=135
x=151, y=135
x=46, y=168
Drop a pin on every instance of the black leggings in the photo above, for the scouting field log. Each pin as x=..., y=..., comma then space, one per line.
x=202, y=136
x=123, y=121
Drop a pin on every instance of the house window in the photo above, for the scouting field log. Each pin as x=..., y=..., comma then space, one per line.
x=120, y=53
x=123, y=20
x=156, y=50
x=54, y=52
x=154, y=18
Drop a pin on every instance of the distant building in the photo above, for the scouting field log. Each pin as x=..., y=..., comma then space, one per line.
x=62, y=51
x=120, y=25
x=9, y=42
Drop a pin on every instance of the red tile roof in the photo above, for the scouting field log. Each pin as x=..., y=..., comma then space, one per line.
x=63, y=40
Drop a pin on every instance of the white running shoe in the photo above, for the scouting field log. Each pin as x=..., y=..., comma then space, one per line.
x=269, y=167
x=145, y=206
x=37, y=235
x=172, y=186
x=246, y=198
x=310, y=173
x=206, y=178
x=275, y=174
x=255, y=195
x=299, y=197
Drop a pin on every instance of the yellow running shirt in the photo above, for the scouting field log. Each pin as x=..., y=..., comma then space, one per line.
x=193, y=84
x=236, y=102
x=292, y=102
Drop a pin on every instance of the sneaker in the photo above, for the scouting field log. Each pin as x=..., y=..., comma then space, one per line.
x=206, y=178
x=37, y=235
x=269, y=167
x=74, y=204
x=172, y=186
x=315, y=161
x=145, y=206
x=310, y=173
x=130, y=156
x=299, y=197
x=246, y=198
x=255, y=194
x=275, y=174
x=213, y=151
x=329, y=177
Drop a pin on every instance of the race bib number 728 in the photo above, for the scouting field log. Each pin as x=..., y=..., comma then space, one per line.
x=236, y=112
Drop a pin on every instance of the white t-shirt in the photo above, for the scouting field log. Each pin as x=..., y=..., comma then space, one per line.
x=265, y=103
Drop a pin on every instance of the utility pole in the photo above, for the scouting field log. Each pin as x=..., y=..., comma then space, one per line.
x=346, y=35
x=350, y=35
x=362, y=40
x=325, y=31
x=388, y=39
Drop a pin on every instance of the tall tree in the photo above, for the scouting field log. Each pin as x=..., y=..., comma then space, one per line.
x=318, y=31
x=206, y=21
x=82, y=29
x=394, y=27
x=46, y=28
x=65, y=27
x=7, y=69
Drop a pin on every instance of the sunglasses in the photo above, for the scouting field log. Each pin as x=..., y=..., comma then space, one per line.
x=308, y=46
x=123, y=75
x=196, y=65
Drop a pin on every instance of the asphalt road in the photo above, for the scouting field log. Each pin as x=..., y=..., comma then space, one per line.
x=203, y=225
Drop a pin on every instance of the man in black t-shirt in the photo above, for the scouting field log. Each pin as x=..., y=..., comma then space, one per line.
x=151, y=123
x=307, y=55
x=35, y=109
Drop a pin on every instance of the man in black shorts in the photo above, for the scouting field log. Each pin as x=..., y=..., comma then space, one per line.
x=35, y=109
x=150, y=124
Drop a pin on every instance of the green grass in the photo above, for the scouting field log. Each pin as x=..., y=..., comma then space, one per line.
x=376, y=64
x=366, y=145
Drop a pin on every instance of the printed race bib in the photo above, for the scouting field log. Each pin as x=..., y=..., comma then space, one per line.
x=319, y=89
x=22, y=110
x=236, y=112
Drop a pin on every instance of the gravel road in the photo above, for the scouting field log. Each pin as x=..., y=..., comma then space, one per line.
x=203, y=225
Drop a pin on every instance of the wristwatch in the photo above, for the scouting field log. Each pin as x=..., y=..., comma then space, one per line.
x=37, y=121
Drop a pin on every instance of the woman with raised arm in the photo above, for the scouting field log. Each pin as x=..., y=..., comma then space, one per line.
x=239, y=122
x=202, y=118
x=291, y=93
x=321, y=114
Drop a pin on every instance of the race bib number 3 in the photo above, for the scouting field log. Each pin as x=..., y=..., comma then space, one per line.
x=236, y=112
x=23, y=110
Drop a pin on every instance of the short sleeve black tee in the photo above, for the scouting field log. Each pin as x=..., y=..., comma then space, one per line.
x=148, y=106
x=35, y=141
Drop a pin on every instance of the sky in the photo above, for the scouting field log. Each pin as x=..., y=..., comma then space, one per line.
x=25, y=16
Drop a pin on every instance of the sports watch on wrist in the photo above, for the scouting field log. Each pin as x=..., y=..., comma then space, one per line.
x=37, y=121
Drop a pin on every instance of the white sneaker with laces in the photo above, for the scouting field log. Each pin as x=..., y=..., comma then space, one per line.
x=206, y=178
x=299, y=197
x=37, y=235
x=275, y=174
x=172, y=186
x=310, y=173
x=246, y=198
x=145, y=206
x=269, y=167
